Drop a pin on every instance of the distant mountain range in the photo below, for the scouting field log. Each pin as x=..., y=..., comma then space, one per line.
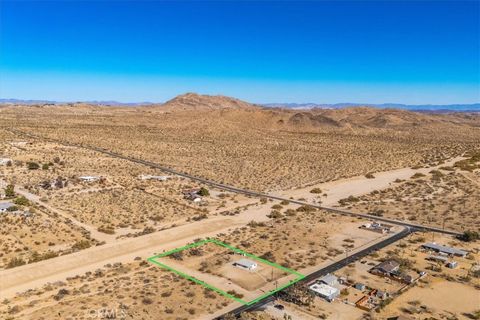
x=420, y=107
x=475, y=107
x=94, y=102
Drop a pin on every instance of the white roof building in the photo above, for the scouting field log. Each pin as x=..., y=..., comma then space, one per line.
x=89, y=178
x=246, y=264
x=329, y=279
x=5, y=205
x=5, y=161
x=444, y=249
x=150, y=177
x=325, y=291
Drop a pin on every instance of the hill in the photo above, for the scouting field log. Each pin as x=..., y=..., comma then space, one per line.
x=193, y=101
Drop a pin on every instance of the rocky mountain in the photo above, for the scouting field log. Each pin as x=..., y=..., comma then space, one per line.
x=193, y=101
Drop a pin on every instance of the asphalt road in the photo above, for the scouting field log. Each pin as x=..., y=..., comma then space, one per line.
x=235, y=189
x=409, y=227
x=328, y=269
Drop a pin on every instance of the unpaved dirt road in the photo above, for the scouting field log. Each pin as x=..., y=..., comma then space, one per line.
x=57, y=269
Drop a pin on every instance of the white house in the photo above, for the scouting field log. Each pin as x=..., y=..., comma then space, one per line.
x=5, y=206
x=89, y=178
x=150, y=177
x=246, y=264
x=329, y=280
x=325, y=291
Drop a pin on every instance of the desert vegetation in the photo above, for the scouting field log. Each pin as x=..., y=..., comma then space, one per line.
x=132, y=290
x=446, y=198
x=257, y=148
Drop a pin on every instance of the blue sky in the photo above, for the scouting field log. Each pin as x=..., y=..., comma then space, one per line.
x=316, y=51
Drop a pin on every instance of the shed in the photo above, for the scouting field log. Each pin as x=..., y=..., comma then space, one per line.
x=452, y=264
x=359, y=286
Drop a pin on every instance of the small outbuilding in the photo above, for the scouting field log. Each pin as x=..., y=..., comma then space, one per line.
x=360, y=286
x=246, y=264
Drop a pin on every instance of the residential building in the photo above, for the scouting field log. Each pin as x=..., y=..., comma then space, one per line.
x=150, y=177
x=5, y=206
x=329, y=279
x=386, y=268
x=432, y=246
x=246, y=264
x=325, y=291
x=89, y=178
x=376, y=227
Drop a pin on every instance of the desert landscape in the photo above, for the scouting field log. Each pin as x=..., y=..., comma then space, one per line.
x=94, y=218
x=239, y=160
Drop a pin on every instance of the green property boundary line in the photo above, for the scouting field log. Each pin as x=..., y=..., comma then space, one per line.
x=206, y=285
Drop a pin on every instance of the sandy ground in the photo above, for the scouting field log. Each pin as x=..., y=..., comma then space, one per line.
x=441, y=297
x=34, y=275
x=355, y=186
x=100, y=236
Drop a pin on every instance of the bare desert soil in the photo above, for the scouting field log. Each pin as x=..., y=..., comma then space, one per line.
x=85, y=243
x=447, y=197
x=135, y=290
x=256, y=148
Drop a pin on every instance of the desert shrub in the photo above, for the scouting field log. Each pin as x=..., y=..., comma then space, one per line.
x=469, y=236
x=316, y=190
x=33, y=166
x=203, y=192
x=235, y=294
x=418, y=175
x=82, y=244
x=305, y=208
x=106, y=229
x=21, y=201
x=275, y=214
x=9, y=191
x=15, y=262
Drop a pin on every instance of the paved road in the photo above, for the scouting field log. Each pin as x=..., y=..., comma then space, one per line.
x=235, y=189
x=328, y=269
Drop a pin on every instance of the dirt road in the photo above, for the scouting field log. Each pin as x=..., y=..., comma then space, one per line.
x=57, y=269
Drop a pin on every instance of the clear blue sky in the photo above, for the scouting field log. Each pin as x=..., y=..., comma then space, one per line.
x=315, y=51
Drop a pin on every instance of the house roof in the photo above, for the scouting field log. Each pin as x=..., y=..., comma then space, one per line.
x=445, y=249
x=329, y=278
x=246, y=263
x=323, y=289
x=388, y=266
x=6, y=205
